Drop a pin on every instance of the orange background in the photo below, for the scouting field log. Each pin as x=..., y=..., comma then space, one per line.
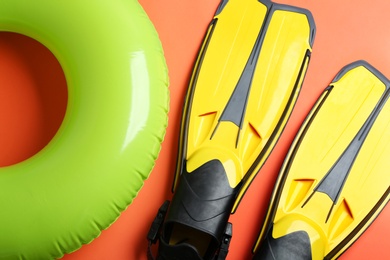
x=346, y=31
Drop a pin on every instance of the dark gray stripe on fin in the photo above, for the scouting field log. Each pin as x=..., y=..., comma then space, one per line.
x=235, y=109
x=333, y=182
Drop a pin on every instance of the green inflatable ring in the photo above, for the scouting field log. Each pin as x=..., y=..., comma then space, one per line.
x=63, y=196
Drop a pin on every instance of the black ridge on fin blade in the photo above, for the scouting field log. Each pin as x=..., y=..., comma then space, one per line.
x=221, y=5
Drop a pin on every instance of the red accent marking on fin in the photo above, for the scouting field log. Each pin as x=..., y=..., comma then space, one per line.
x=208, y=113
x=254, y=130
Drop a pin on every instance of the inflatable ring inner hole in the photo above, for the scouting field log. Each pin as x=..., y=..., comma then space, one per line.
x=33, y=97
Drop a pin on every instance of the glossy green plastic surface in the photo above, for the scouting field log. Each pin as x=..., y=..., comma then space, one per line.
x=116, y=117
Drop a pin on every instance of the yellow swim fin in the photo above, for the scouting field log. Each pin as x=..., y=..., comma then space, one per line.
x=244, y=85
x=335, y=179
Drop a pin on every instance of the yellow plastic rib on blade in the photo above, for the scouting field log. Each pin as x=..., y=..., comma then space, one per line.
x=281, y=39
x=335, y=180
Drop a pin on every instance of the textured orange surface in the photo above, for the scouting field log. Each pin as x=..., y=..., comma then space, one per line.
x=33, y=97
x=346, y=31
